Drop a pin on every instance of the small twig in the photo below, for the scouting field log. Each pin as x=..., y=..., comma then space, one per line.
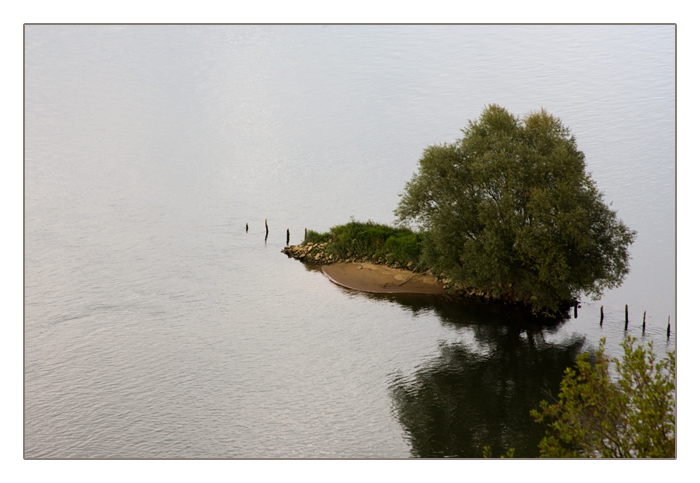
x=408, y=279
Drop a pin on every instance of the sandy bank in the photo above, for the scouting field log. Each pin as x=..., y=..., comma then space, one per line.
x=373, y=278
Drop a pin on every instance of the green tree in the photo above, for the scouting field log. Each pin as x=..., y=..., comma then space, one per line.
x=510, y=210
x=632, y=416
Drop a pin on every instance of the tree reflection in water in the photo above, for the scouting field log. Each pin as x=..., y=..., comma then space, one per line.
x=466, y=398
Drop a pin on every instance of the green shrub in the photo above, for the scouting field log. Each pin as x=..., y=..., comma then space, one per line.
x=632, y=415
x=373, y=240
x=315, y=237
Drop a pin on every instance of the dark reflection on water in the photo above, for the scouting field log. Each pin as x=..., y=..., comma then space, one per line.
x=461, y=401
x=459, y=312
x=481, y=394
x=467, y=398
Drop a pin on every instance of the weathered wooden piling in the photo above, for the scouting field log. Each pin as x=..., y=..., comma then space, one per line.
x=668, y=328
x=601, y=315
x=266, y=229
x=576, y=310
x=287, y=236
x=627, y=319
x=644, y=322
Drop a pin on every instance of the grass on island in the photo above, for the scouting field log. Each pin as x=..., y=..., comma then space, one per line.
x=374, y=241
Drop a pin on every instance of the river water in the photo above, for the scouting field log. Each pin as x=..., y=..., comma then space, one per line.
x=157, y=327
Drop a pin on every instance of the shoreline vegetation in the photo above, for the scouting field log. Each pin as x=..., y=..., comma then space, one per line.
x=378, y=258
x=506, y=214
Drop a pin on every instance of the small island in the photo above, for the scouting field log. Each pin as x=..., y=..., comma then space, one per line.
x=377, y=258
x=507, y=213
x=368, y=274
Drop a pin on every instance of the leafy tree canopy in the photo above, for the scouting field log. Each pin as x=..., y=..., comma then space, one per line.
x=509, y=209
x=631, y=416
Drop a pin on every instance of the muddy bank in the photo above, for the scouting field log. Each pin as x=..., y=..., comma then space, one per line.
x=372, y=274
x=366, y=274
x=369, y=277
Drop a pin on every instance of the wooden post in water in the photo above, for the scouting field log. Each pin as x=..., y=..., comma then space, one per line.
x=287, y=236
x=627, y=319
x=267, y=231
x=668, y=329
x=246, y=227
x=601, y=315
x=644, y=323
x=576, y=310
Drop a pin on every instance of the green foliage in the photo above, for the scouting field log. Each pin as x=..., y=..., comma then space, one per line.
x=509, y=454
x=633, y=416
x=315, y=237
x=373, y=240
x=511, y=205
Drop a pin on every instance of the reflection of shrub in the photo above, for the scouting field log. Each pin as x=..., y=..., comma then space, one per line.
x=462, y=400
x=631, y=417
x=509, y=454
x=373, y=240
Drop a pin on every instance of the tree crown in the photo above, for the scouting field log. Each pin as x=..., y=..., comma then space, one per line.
x=510, y=209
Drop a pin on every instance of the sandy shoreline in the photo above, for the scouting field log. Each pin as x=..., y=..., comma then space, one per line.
x=369, y=277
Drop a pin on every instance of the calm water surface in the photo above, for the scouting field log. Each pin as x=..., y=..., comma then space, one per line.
x=156, y=327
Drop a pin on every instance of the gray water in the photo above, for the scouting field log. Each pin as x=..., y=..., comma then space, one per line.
x=156, y=327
